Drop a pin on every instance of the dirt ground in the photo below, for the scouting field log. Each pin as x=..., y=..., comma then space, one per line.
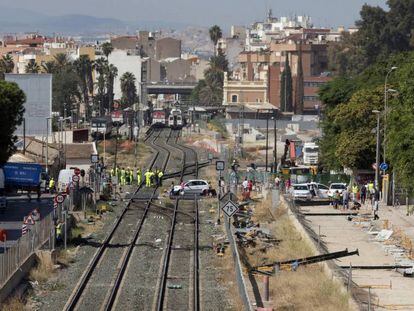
x=308, y=288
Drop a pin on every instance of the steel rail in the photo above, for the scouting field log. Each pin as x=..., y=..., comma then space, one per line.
x=167, y=257
x=77, y=294
x=114, y=292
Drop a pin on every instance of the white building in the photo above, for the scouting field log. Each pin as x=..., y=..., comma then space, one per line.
x=38, y=105
x=125, y=61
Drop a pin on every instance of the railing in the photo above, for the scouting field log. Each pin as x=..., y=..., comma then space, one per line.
x=15, y=255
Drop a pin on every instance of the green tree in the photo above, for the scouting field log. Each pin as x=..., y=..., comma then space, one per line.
x=101, y=65
x=12, y=100
x=128, y=89
x=111, y=74
x=107, y=49
x=286, y=103
x=6, y=64
x=61, y=60
x=49, y=67
x=299, y=85
x=215, y=35
x=66, y=95
x=83, y=66
x=32, y=67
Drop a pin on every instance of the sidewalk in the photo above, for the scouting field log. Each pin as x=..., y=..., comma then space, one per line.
x=390, y=287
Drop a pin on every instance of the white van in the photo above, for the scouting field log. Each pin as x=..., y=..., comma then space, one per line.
x=65, y=178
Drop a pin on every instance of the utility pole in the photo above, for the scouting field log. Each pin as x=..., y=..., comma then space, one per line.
x=267, y=140
x=275, y=142
x=377, y=160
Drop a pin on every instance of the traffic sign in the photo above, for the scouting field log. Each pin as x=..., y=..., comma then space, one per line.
x=77, y=171
x=374, y=166
x=230, y=208
x=75, y=178
x=59, y=198
x=28, y=220
x=94, y=158
x=384, y=166
x=24, y=229
x=220, y=165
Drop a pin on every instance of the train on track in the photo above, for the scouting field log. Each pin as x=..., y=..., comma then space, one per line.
x=101, y=127
x=167, y=118
x=175, y=119
x=159, y=117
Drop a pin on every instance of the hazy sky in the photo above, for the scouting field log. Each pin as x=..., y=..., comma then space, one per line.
x=203, y=12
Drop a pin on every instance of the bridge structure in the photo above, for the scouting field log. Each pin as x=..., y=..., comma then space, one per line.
x=159, y=88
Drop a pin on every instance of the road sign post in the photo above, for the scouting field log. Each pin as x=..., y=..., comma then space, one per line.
x=220, y=166
x=230, y=208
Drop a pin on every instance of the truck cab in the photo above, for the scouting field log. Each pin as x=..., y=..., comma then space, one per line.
x=310, y=154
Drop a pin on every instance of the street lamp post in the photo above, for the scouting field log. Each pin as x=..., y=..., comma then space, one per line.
x=267, y=140
x=377, y=154
x=386, y=90
x=47, y=144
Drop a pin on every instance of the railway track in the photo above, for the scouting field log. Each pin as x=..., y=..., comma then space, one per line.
x=147, y=247
x=97, y=283
x=179, y=286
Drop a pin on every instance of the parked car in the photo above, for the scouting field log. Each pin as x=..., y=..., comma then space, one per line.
x=301, y=192
x=336, y=187
x=197, y=186
x=322, y=191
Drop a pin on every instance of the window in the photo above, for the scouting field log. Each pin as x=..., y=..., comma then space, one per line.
x=313, y=83
x=234, y=98
x=311, y=98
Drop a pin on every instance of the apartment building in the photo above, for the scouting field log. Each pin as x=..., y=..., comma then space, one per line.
x=258, y=80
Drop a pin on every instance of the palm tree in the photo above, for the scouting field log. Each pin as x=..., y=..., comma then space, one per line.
x=101, y=67
x=32, y=67
x=215, y=35
x=111, y=74
x=128, y=89
x=84, y=67
x=7, y=63
x=107, y=48
x=49, y=66
x=62, y=60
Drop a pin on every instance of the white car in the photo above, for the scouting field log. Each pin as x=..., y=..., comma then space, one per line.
x=321, y=191
x=336, y=187
x=195, y=186
x=301, y=192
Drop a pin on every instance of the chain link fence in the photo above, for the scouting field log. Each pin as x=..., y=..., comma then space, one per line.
x=15, y=255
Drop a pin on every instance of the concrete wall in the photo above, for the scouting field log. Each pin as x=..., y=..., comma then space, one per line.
x=125, y=63
x=38, y=90
x=178, y=70
x=167, y=48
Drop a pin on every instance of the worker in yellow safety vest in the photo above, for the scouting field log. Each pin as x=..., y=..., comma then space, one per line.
x=131, y=176
x=138, y=176
x=59, y=236
x=147, y=178
x=355, y=192
x=123, y=181
x=160, y=174
x=51, y=185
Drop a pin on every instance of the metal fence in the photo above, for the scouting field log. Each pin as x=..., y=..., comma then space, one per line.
x=15, y=255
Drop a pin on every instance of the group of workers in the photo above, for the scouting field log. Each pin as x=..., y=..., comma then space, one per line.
x=358, y=195
x=130, y=176
x=153, y=178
